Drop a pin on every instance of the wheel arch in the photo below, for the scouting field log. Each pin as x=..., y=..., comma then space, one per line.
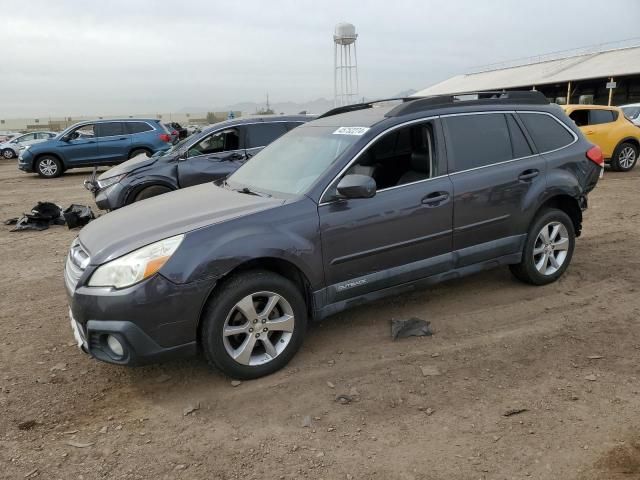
x=632, y=140
x=568, y=205
x=139, y=147
x=133, y=192
x=280, y=266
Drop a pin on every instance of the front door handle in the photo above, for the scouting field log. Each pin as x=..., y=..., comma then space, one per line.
x=529, y=174
x=589, y=132
x=434, y=199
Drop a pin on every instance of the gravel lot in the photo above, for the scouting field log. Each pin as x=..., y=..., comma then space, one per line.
x=568, y=353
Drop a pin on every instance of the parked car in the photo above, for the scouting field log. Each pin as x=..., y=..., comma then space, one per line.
x=351, y=207
x=608, y=128
x=6, y=136
x=205, y=157
x=99, y=142
x=632, y=112
x=180, y=132
x=11, y=148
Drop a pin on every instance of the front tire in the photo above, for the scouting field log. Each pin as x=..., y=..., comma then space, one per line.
x=548, y=249
x=253, y=325
x=8, y=153
x=624, y=157
x=49, y=167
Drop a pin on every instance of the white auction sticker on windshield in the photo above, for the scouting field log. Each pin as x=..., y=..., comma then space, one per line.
x=351, y=131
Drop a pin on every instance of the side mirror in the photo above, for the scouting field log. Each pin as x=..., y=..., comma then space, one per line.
x=357, y=186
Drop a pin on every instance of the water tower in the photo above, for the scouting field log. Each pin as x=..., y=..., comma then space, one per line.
x=345, y=76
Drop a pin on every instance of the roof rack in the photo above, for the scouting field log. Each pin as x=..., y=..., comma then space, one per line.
x=361, y=106
x=418, y=104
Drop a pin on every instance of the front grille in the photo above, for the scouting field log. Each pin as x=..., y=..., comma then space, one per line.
x=77, y=261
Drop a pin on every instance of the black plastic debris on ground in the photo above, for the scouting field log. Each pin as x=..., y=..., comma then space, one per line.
x=45, y=214
x=78, y=215
x=411, y=327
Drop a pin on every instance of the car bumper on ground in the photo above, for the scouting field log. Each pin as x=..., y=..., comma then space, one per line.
x=153, y=321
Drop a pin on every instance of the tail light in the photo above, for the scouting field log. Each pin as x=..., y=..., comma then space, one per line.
x=165, y=137
x=175, y=132
x=595, y=155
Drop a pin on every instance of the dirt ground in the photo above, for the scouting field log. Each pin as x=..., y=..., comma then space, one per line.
x=568, y=353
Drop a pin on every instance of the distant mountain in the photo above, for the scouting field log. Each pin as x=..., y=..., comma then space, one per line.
x=317, y=106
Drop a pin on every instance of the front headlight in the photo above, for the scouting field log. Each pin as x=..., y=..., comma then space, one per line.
x=107, y=182
x=25, y=147
x=135, y=266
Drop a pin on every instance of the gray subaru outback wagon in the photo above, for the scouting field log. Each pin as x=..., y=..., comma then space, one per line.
x=367, y=201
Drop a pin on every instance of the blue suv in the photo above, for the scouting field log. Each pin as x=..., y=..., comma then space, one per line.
x=99, y=142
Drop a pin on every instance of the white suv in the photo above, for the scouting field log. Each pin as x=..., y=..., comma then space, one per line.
x=11, y=148
x=632, y=112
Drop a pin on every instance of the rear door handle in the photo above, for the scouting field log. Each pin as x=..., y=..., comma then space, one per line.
x=589, y=132
x=529, y=174
x=434, y=199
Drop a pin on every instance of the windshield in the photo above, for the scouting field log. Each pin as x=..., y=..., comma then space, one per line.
x=174, y=148
x=631, y=112
x=291, y=164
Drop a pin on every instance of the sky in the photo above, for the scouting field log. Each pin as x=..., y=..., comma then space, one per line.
x=73, y=57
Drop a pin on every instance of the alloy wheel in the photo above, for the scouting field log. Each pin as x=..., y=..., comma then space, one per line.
x=551, y=247
x=258, y=328
x=627, y=157
x=8, y=154
x=48, y=167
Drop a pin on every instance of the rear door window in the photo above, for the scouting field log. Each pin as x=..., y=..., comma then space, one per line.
x=477, y=140
x=547, y=133
x=262, y=134
x=137, y=127
x=109, y=129
x=580, y=117
x=596, y=117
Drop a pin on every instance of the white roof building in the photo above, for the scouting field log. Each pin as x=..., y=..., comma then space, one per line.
x=599, y=66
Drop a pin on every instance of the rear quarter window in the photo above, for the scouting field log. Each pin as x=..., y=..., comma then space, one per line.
x=547, y=132
x=262, y=134
x=138, y=127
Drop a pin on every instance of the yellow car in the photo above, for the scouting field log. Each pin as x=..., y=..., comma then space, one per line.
x=607, y=127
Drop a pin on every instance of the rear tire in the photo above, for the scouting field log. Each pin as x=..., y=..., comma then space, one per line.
x=624, y=157
x=270, y=315
x=49, y=167
x=149, y=192
x=139, y=151
x=8, y=154
x=548, y=248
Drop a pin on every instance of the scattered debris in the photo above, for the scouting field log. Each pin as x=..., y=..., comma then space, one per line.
x=591, y=377
x=306, y=421
x=344, y=399
x=595, y=357
x=70, y=432
x=435, y=355
x=104, y=429
x=514, y=411
x=45, y=214
x=429, y=411
x=27, y=425
x=236, y=383
x=32, y=473
x=430, y=371
x=77, y=215
x=190, y=409
x=72, y=443
x=412, y=327
x=330, y=385
x=180, y=466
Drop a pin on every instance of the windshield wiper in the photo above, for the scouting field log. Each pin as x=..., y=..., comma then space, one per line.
x=248, y=191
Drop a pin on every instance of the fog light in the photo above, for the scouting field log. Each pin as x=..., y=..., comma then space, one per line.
x=115, y=345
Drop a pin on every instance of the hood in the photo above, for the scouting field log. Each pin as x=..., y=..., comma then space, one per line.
x=141, y=223
x=130, y=165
